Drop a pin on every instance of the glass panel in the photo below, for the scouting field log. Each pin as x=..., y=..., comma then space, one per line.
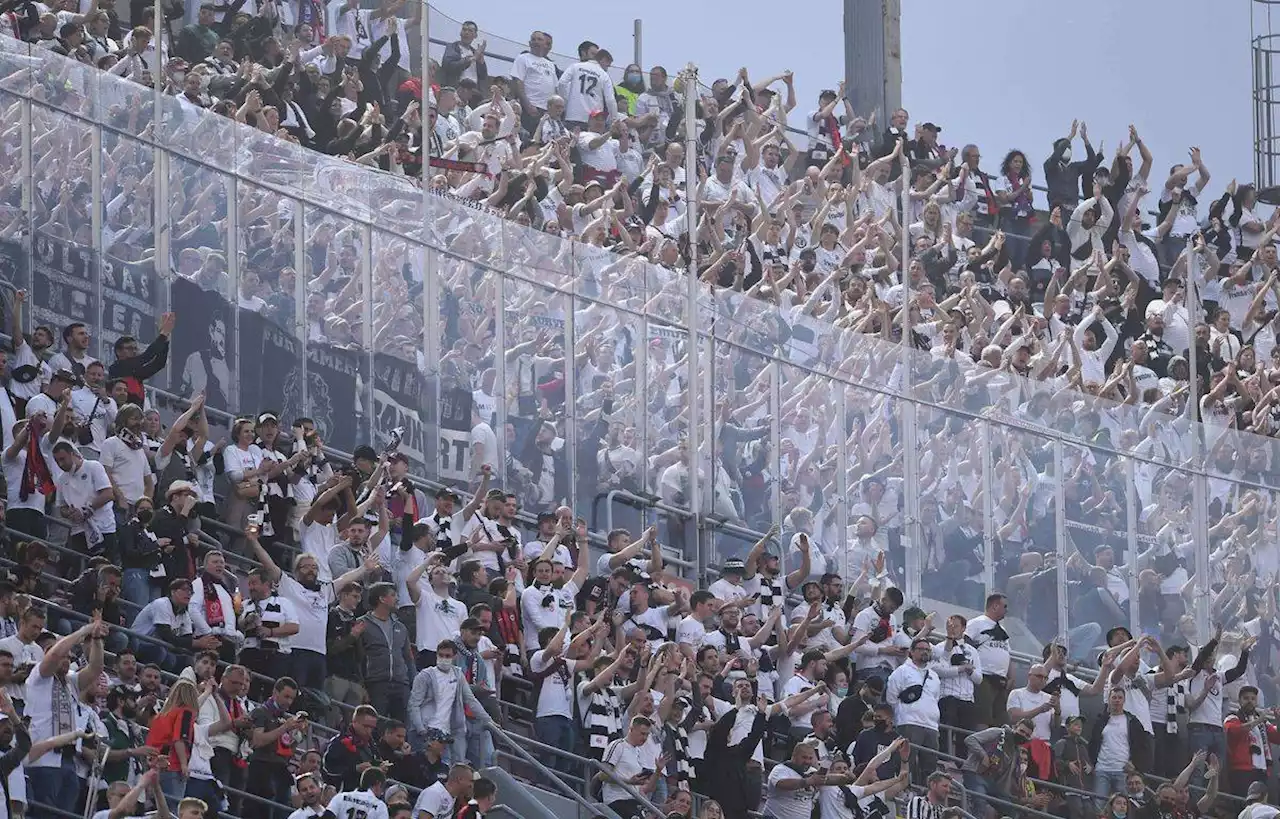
x=336, y=362
x=270, y=355
x=203, y=355
x=534, y=329
x=14, y=252
x=951, y=542
x=398, y=360
x=64, y=260
x=132, y=291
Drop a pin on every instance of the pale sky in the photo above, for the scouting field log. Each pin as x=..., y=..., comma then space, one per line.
x=999, y=73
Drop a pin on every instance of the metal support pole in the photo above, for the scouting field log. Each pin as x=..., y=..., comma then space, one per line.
x=232, y=190
x=300, y=280
x=636, y=37
x=1200, y=536
x=570, y=398
x=1195, y=314
x=366, y=335
x=907, y=419
x=500, y=342
x=988, y=510
x=775, y=444
x=431, y=345
x=1060, y=532
x=689, y=78
x=28, y=172
x=1131, y=543
x=95, y=223
x=158, y=29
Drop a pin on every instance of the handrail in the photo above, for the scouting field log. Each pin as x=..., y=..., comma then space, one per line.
x=528, y=758
x=1049, y=784
x=597, y=766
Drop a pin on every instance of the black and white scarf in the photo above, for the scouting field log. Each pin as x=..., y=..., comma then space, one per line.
x=771, y=592
x=680, y=745
x=1175, y=705
x=602, y=720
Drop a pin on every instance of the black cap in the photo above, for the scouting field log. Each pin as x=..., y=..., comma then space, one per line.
x=733, y=564
x=65, y=375
x=546, y=516
x=931, y=127
x=365, y=452
x=446, y=492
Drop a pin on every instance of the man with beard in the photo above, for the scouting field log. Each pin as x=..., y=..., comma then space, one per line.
x=547, y=601
x=493, y=543
x=125, y=459
x=227, y=764
x=311, y=795
x=94, y=408
x=171, y=620
x=992, y=760
x=135, y=368
x=311, y=600
x=348, y=554
x=127, y=750
x=1250, y=733
x=53, y=698
x=96, y=592
x=762, y=577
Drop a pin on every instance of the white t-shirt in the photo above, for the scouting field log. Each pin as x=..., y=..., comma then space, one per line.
x=691, y=631
x=627, y=761
x=274, y=609
x=357, y=805
x=538, y=616
x=993, y=650
x=539, y=77
x=1024, y=700
x=1114, y=753
x=555, y=698
x=1209, y=711
x=311, y=608
x=438, y=618
x=831, y=801
x=653, y=621
x=77, y=489
x=796, y=804
x=434, y=800
x=316, y=539
x=39, y=708
x=127, y=466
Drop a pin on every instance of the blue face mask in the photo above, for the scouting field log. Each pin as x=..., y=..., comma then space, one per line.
x=633, y=76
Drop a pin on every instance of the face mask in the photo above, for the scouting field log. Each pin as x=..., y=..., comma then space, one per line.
x=145, y=515
x=842, y=691
x=1019, y=739
x=1066, y=156
x=444, y=663
x=633, y=76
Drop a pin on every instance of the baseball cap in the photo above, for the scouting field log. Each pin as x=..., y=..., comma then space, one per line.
x=931, y=127
x=733, y=564
x=1257, y=790
x=66, y=375
x=446, y=492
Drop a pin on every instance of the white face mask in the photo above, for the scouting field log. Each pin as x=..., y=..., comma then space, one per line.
x=444, y=663
x=1066, y=156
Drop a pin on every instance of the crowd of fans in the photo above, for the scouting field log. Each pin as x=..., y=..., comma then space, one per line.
x=435, y=614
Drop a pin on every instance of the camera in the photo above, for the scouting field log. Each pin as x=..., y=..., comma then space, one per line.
x=959, y=659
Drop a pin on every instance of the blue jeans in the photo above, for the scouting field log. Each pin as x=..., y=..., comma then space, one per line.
x=308, y=668
x=479, y=745
x=557, y=732
x=979, y=787
x=1083, y=639
x=174, y=786
x=56, y=787
x=1106, y=783
x=1211, y=738
x=136, y=587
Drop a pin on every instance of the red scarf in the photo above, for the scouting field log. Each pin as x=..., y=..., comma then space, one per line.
x=35, y=473
x=213, y=614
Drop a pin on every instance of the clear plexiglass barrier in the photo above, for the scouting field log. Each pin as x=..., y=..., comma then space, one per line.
x=312, y=286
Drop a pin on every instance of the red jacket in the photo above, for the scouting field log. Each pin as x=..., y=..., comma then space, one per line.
x=1239, y=754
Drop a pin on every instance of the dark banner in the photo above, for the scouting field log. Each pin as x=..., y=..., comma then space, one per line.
x=129, y=295
x=200, y=352
x=13, y=266
x=332, y=375
x=270, y=369
x=398, y=402
x=62, y=275
x=455, y=434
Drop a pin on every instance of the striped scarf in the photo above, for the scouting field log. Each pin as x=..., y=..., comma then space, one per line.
x=1175, y=705
x=602, y=720
x=771, y=593
x=509, y=629
x=680, y=744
